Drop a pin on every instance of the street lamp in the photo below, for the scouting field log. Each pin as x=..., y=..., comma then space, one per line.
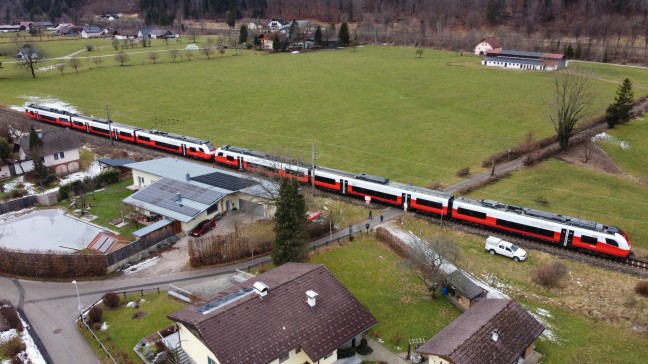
x=78, y=297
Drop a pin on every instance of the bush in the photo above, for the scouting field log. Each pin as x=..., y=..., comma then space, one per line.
x=549, y=276
x=463, y=172
x=14, y=346
x=541, y=201
x=11, y=316
x=89, y=47
x=642, y=288
x=111, y=300
x=95, y=314
x=106, y=177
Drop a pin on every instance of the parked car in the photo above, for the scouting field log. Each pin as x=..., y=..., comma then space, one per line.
x=499, y=246
x=204, y=227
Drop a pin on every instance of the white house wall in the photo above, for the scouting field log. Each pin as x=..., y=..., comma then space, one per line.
x=148, y=178
x=482, y=47
x=5, y=172
x=437, y=360
x=195, y=349
x=301, y=357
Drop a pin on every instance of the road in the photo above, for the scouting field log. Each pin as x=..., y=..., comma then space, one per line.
x=51, y=307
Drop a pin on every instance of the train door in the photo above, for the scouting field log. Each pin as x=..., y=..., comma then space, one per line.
x=240, y=162
x=406, y=200
x=344, y=184
x=184, y=149
x=566, y=237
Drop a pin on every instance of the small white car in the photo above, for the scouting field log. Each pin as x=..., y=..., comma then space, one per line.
x=499, y=246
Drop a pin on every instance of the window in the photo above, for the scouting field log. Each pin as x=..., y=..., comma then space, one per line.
x=284, y=357
x=99, y=130
x=436, y=205
x=329, y=181
x=143, y=138
x=213, y=208
x=192, y=149
x=125, y=134
x=298, y=350
x=525, y=228
x=588, y=240
x=471, y=213
x=166, y=145
x=612, y=242
x=373, y=193
x=78, y=123
x=210, y=361
x=56, y=156
x=62, y=155
x=230, y=158
x=140, y=180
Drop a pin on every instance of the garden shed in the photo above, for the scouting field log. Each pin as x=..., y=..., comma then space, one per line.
x=462, y=291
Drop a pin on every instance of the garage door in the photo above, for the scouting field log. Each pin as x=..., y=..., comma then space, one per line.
x=251, y=207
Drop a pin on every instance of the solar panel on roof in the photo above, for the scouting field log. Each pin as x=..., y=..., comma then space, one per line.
x=99, y=243
x=225, y=181
x=107, y=244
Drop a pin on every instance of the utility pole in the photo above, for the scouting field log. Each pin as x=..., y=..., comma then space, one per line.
x=112, y=142
x=313, y=165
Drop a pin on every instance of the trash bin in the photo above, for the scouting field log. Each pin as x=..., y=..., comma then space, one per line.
x=444, y=290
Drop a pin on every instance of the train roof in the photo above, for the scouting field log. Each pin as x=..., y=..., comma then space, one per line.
x=258, y=154
x=124, y=126
x=175, y=136
x=51, y=109
x=386, y=182
x=92, y=118
x=544, y=215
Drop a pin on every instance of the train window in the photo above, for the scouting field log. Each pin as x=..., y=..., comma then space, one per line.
x=192, y=149
x=476, y=214
x=428, y=203
x=144, y=138
x=612, y=242
x=261, y=167
x=166, y=145
x=588, y=240
x=220, y=154
x=525, y=228
x=125, y=134
x=327, y=180
x=230, y=158
x=78, y=123
x=378, y=194
x=99, y=130
x=294, y=173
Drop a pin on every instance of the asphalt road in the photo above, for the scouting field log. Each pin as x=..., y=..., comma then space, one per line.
x=52, y=307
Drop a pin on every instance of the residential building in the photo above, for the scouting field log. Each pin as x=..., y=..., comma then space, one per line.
x=493, y=331
x=277, y=24
x=488, y=44
x=91, y=32
x=125, y=34
x=267, y=39
x=60, y=150
x=155, y=33
x=521, y=60
x=294, y=314
x=190, y=192
x=7, y=28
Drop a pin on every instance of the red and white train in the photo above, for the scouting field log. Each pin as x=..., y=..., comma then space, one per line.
x=558, y=229
x=168, y=142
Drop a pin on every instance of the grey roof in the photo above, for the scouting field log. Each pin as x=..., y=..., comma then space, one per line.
x=154, y=226
x=54, y=141
x=464, y=285
x=161, y=198
x=92, y=29
x=177, y=169
x=114, y=162
x=533, y=62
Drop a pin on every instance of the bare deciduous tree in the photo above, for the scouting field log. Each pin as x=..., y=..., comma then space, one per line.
x=30, y=56
x=173, y=54
x=75, y=63
x=61, y=68
x=426, y=258
x=97, y=61
x=189, y=54
x=573, y=96
x=153, y=56
x=121, y=57
x=419, y=51
x=221, y=50
x=207, y=50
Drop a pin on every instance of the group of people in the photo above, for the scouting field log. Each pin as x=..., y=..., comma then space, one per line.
x=371, y=216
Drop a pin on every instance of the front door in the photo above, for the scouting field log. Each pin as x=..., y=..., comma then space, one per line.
x=566, y=237
x=240, y=163
x=343, y=186
x=406, y=200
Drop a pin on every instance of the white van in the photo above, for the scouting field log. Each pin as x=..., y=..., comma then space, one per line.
x=499, y=246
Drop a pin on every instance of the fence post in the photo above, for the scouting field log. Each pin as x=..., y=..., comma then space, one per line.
x=142, y=292
x=158, y=290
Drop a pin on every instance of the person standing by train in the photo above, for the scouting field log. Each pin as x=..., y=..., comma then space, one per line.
x=370, y=216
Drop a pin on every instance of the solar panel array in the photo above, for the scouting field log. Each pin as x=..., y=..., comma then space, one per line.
x=225, y=181
x=163, y=193
x=104, y=243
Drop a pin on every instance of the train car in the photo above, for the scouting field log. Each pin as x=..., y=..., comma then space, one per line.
x=49, y=115
x=383, y=190
x=558, y=229
x=122, y=132
x=97, y=126
x=175, y=143
x=251, y=160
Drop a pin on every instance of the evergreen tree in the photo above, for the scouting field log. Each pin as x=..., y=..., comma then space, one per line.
x=318, y=36
x=42, y=174
x=293, y=32
x=621, y=110
x=257, y=42
x=577, y=52
x=276, y=43
x=243, y=35
x=290, y=225
x=343, y=35
x=5, y=148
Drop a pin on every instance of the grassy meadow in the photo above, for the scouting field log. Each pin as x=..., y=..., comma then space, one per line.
x=381, y=110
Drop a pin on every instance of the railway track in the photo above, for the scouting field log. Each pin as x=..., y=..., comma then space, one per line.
x=636, y=266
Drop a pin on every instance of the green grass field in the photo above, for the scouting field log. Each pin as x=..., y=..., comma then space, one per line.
x=628, y=148
x=380, y=109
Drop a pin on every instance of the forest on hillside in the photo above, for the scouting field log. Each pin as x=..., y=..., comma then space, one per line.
x=603, y=30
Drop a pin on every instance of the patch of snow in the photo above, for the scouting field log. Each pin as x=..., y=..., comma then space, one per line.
x=104, y=326
x=605, y=137
x=142, y=265
x=131, y=304
x=48, y=68
x=32, y=355
x=548, y=333
x=8, y=335
x=544, y=313
x=11, y=215
x=142, y=300
x=48, y=101
x=92, y=171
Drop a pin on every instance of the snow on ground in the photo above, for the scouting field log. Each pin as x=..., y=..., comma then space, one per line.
x=48, y=101
x=610, y=139
x=48, y=68
x=542, y=315
x=31, y=353
x=131, y=304
x=7, y=335
x=11, y=215
x=104, y=326
x=93, y=170
x=142, y=265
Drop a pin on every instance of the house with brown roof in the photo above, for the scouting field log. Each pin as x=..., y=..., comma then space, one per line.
x=493, y=331
x=60, y=150
x=294, y=314
x=488, y=44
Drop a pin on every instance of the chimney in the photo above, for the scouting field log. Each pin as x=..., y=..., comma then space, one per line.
x=311, y=297
x=261, y=289
x=178, y=197
x=187, y=176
